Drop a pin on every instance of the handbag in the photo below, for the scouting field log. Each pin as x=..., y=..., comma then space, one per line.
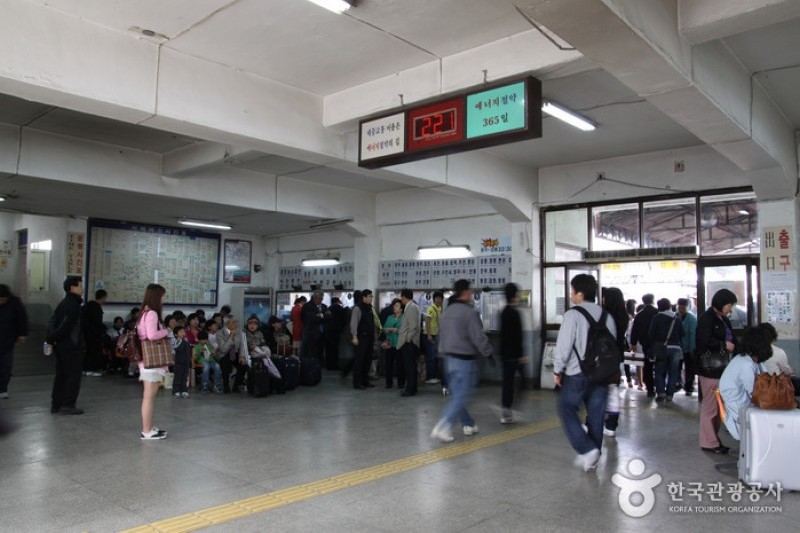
x=129, y=346
x=659, y=351
x=711, y=364
x=157, y=354
x=773, y=391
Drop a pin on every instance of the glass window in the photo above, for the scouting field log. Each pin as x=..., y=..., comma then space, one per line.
x=729, y=225
x=733, y=278
x=555, y=303
x=566, y=235
x=615, y=227
x=670, y=223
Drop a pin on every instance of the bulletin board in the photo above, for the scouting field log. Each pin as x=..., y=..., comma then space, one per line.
x=123, y=258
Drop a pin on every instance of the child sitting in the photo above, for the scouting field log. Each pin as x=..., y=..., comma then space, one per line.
x=183, y=364
x=204, y=355
x=256, y=343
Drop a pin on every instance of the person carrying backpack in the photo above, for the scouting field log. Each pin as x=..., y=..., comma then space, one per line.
x=586, y=358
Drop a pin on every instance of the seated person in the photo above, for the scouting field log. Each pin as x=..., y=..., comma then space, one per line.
x=206, y=356
x=275, y=334
x=779, y=362
x=256, y=343
x=738, y=379
x=211, y=328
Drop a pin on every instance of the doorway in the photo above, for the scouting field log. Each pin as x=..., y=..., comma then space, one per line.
x=739, y=275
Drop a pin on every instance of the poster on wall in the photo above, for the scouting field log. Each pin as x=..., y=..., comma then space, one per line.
x=496, y=245
x=5, y=248
x=76, y=253
x=238, y=255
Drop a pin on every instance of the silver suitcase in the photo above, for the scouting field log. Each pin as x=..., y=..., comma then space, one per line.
x=768, y=448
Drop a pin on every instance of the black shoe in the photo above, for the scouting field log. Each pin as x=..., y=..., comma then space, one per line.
x=719, y=450
x=359, y=387
x=651, y=394
x=369, y=386
x=406, y=394
x=388, y=386
x=70, y=411
x=54, y=410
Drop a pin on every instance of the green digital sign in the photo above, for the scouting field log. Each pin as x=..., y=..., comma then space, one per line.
x=497, y=110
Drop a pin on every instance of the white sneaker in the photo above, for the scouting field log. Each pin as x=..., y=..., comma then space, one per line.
x=508, y=420
x=470, y=430
x=154, y=434
x=3, y=396
x=176, y=395
x=184, y=395
x=609, y=432
x=94, y=374
x=588, y=461
x=445, y=391
x=442, y=433
x=432, y=381
x=584, y=428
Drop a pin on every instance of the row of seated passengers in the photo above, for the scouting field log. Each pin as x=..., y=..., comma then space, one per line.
x=218, y=351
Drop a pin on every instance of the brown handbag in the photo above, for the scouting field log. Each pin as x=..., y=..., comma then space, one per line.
x=773, y=391
x=157, y=354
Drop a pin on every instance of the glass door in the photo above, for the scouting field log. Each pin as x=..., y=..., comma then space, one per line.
x=737, y=275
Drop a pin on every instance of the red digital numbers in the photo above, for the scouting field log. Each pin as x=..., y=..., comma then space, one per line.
x=434, y=124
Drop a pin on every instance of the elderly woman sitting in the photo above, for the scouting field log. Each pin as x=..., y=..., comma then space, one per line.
x=738, y=379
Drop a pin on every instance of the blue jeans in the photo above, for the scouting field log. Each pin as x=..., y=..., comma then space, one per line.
x=577, y=390
x=208, y=367
x=461, y=377
x=668, y=371
x=430, y=356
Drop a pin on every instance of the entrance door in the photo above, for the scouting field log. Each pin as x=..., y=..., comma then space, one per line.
x=737, y=275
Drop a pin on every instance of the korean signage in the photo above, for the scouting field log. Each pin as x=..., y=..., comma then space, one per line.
x=76, y=253
x=496, y=111
x=383, y=136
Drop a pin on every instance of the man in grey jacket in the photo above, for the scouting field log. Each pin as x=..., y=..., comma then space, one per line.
x=408, y=340
x=461, y=342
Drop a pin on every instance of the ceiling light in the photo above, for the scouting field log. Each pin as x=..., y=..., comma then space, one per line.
x=444, y=251
x=337, y=6
x=744, y=212
x=321, y=262
x=198, y=224
x=570, y=117
x=331, y=223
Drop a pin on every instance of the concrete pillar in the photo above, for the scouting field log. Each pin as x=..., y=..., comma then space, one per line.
x=780, y=272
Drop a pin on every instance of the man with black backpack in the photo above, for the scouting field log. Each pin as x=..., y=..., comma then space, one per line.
x=586, y=358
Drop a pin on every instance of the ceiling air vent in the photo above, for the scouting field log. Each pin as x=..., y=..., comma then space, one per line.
x=642, y=254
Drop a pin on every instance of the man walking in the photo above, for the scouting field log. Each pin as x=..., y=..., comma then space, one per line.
x=64, y=333
x=408, y=341
x=510, y=350
x=13, y=330
x=461, y=342
x=576, y=389
x=640, y=334
x=689, y=327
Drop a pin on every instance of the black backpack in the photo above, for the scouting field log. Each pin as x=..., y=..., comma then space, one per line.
x=601, y=359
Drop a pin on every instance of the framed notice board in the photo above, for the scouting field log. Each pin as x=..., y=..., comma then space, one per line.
x=123, y=258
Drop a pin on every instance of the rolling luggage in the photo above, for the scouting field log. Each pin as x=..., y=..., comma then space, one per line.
x=258, y=379
x=289, y=368
x=310, y=371
x=278, y=385
x=768, y=448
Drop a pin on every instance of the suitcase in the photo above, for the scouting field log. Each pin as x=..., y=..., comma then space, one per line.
x=310, y=371
x=278, y=385
x=768, y=447
x=289, y=368
x=258, y=379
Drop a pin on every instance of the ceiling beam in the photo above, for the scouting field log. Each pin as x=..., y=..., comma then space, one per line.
x=707, y=20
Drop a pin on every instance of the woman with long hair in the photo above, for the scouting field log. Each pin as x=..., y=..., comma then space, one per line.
x=150, y=327
x=614, y=303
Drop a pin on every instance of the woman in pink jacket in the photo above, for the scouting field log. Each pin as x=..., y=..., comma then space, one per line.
x=151, y=328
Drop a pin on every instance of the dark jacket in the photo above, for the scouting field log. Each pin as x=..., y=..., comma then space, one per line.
x=711, y=336
x=13, y=323
x=659, y=328
x=640, y=331
x=366, y=324
x=337, y=321
x=510, y=334
x=311, y=319
x=183, y=353
x=64, y=327
x=92, y=322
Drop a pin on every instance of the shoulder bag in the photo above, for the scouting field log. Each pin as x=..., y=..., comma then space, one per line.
x=711, y=364
x=659, y=350
x=156, y=353
x=773, y=391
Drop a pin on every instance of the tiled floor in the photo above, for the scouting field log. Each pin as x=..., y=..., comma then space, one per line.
x=92, y=473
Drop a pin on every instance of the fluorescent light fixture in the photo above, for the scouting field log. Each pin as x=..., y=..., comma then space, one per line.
x=331, y=223
x=447, y=251
x=570, y=117
x=337, y=6
x=198, y=224
x=744, y=212
x=322, y=262
x=42, y=245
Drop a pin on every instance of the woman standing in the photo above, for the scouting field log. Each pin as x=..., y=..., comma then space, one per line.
x=614, y=303
x=714, y=334
x=393, y=361
x=151, y=328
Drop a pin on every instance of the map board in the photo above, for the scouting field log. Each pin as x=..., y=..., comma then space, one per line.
x=124, y=257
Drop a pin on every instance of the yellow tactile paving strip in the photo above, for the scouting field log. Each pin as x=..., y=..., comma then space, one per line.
x=258, y=504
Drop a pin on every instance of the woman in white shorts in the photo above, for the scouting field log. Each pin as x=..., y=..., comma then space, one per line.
x=150, y=327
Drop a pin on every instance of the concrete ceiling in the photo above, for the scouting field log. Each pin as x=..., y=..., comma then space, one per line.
x=47, y=197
